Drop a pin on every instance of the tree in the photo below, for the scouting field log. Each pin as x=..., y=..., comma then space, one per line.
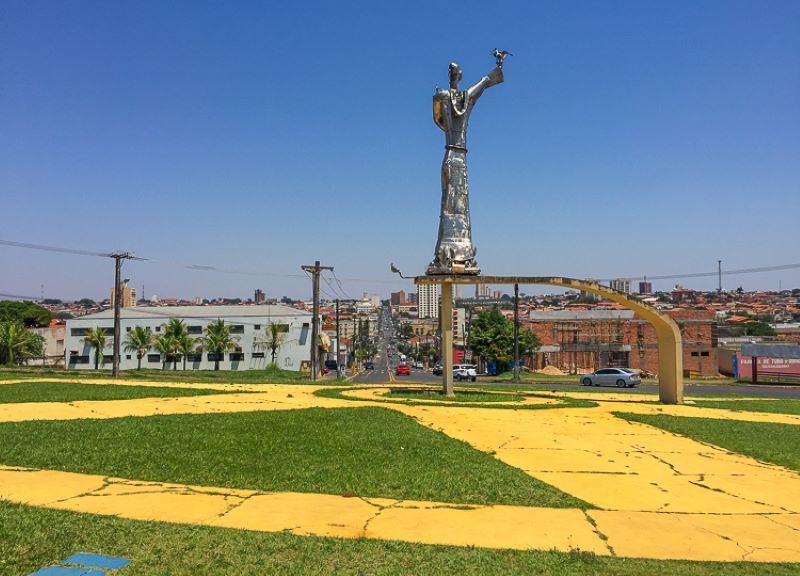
x=218, y=340
x=17, y=343
x=529, y=344
x=492, y=337
x=139, y=340
x=96, y=338
x=176, y=328
x=27, y=313
x=167, y=346
x=276, y=334
x=186, y=345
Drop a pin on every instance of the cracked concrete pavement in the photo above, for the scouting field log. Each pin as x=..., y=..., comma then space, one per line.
x=659, y=495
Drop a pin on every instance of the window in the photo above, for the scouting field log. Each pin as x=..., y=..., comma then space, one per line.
x=76, y=359
x=257, y=355
x=194, y=357
x=236, y=356
x=127, y=356
x=215, y=357
x=78, y=331
x=237, y=329
x=285, y=328
x=195, y=330
x=108, y=358
x=695, y=354
x=257, y=327
x=158, y=328
x=303, y=334
x=154, y=357
x=128, y=329
x=704, y=353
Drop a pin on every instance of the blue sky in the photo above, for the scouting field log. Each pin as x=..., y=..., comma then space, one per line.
x=629, y=138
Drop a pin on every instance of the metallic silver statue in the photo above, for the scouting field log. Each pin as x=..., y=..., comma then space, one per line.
x=451, y=110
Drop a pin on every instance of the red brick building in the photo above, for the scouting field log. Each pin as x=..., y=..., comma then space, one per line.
x=585, y=340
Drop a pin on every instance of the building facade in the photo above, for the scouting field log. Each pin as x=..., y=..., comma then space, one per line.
x=584, y=340
x=249, y=327
x=428, y=300
x=128, y=296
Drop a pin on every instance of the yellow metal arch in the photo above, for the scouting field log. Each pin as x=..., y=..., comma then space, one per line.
x=670, y=342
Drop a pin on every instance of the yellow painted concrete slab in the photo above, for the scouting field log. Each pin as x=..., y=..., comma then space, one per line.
x=767, y=538
x=701, y=536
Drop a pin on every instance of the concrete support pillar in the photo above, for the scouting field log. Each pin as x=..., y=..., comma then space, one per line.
x=446, y=322
x=670, y=364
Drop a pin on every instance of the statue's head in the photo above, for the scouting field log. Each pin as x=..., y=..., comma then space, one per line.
x=455, y=75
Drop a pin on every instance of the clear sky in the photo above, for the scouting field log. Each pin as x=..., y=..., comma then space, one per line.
x=629, y=138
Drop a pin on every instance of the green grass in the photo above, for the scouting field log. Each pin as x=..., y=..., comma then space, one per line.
x=361, y=451
x=339, y=393
x=460, y=396
x=267, y=376
x=775, y=443
x=776, y=406
x=73, y=391
x=32, y=538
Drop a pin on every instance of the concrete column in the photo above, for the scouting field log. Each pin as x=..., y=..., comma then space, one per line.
x=670, y=364
x=446, y=321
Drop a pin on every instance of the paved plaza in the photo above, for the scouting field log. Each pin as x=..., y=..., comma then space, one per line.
x=656, y=494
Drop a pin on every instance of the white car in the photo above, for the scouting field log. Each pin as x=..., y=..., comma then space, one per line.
x=464, y=372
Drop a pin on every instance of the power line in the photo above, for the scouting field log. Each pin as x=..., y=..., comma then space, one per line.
x=757, y=270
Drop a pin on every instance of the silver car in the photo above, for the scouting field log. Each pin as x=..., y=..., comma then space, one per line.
x=621, y=377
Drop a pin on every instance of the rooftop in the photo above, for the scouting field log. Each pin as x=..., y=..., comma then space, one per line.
x=228, y=311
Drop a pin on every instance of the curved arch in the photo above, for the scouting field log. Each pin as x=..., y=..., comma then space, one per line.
x=670, y=342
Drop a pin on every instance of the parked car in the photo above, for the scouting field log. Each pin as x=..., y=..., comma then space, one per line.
x=331, y=365
x=402, y=369
x=464, y=372
x=369, y=366
x=621, y=377
x=437, y=370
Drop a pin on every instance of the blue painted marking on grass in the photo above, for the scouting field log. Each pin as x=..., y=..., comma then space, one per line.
x=61, y=571
x=97, y=561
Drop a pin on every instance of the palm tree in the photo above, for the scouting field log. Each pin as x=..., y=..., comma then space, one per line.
x=18, y=343
x=139, y=340
x=176, y=327
x=276, y=334
x=167, y=346
x=218, y=340
x=96, y=338
x=186, y=345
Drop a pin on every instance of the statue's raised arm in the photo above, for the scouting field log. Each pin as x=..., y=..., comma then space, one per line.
x=494, y=77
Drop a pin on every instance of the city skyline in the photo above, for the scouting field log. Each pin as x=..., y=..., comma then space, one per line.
x=628, y=140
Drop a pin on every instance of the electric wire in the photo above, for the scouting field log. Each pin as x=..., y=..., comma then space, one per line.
x=238, y=271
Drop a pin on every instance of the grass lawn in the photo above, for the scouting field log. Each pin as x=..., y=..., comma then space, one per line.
x=72, y=391
x=32, y=538
x=470, y=400
x=775, y=443
x=777, y=406
x=268, y=375
x=362, y=451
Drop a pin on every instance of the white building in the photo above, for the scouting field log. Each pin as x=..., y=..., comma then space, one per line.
x=621, y=284
x=249, y=325
x=428, y=300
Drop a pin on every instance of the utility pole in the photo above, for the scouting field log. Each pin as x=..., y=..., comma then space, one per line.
x=338, y=347
x=118, y=258
x=316, y=269
x=516, y=332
